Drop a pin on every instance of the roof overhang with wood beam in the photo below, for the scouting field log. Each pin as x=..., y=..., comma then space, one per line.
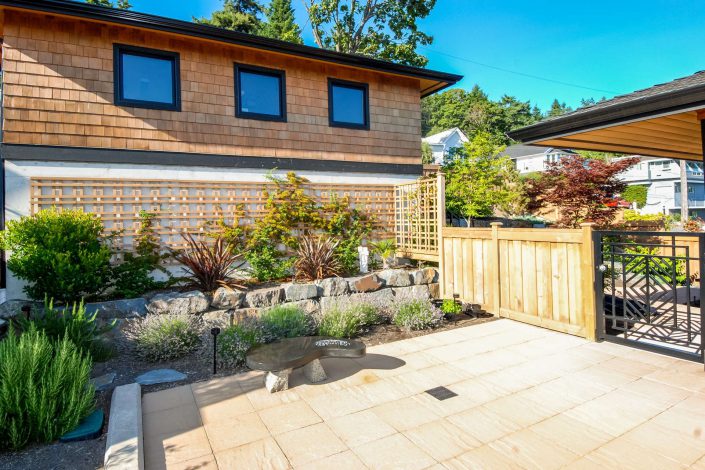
x=662, y=121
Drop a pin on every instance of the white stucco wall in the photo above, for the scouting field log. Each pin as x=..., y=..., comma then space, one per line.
x=18, y=174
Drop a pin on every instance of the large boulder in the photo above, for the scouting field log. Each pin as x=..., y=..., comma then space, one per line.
x=242, y=314
x=226, y=298
x=219, y=318
x=412, y=292
x=395, y=277
x=309, y=306
x=382, y=299
x=179, y=303
x=333, y=286
x=264, y=297
x=12, y=308
x=123, y=308
x=425, y=276
x=435, y=290
x=295, y=292
x=369, y=283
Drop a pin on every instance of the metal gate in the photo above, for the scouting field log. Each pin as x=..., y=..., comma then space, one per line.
x=648, y=290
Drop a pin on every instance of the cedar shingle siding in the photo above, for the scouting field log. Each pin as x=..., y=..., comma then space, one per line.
x=59, y=91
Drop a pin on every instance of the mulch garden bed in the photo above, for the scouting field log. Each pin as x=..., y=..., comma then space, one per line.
x=88, y=455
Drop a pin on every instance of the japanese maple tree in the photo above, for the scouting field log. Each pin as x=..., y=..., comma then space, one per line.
x=580, y=188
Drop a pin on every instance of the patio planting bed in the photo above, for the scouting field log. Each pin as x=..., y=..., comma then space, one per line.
x=526, y=398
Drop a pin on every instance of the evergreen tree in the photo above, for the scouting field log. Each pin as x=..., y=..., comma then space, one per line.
x=236, y=15
x=558, y=108
x=121, y=4
x=280, y=22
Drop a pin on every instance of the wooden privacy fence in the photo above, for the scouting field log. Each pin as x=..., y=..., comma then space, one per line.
x=544, y=277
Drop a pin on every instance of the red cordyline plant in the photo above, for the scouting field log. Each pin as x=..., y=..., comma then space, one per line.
x=316, y=259
x=209, y=265
x=580, y=188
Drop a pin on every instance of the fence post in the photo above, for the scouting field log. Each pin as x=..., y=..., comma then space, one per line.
x=440, y=223
x=588, y=279
x=494, y=269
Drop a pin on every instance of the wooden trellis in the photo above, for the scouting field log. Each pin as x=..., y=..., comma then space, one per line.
x=417, y=219
x=188, y=206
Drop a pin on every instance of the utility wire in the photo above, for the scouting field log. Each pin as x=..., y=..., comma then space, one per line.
x=535, y=77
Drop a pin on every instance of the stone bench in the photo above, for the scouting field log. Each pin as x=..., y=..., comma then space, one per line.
x=278, y=359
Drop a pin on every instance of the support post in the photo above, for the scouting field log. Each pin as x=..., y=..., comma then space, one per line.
x=587, y=268
x=440, y=223
x=701, y=248
x=494, y=270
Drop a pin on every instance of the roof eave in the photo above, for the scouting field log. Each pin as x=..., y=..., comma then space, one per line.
x=170, y=25
x=644, y=108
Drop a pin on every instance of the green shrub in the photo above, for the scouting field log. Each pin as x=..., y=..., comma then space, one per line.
x=165, y=337
x=416, y=314
x=286, y=321
x=44, y=388
x=451, y=307
x=83, y=329
x=636, y=193
x=61, y=255
x=133, y=277
x=346, y=319
x=236, y=340
x=267, y=262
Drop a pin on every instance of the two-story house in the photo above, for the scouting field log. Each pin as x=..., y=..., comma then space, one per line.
x=443, y=143
x=661, y=176
x=531, y=158
x=115, y=112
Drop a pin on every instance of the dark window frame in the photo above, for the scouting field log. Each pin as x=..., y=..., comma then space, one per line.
x=280, y=74
x=120, y=100
x=366, y=103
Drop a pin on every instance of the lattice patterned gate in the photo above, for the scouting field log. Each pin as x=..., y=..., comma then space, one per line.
x=649, y=290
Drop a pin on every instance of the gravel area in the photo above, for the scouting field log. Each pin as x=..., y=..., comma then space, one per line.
x=88, y=455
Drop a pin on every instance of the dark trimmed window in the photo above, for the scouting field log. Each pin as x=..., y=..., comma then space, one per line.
x=147, y=78
x=260, y=93
x=348, y=104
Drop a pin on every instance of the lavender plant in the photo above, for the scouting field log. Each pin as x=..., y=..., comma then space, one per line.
x=165, y=337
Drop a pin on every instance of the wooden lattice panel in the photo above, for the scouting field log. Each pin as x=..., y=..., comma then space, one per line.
x=416, y=218
x=188, y=206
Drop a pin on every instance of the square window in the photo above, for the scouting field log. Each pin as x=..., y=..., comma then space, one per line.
x=147, y=78
x=260, y=93
x=348, y=104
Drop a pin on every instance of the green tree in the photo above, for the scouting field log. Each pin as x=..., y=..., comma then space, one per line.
x=280, y=22
x=426, y=153
x=237, y=15
x=385, y=29
x=558, y=108
x=481, y=181
x=121, y=4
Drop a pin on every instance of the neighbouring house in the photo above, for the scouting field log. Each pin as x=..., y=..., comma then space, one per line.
x=115, y=112
x=531, y=158
x=661, y=176
x=444, y=142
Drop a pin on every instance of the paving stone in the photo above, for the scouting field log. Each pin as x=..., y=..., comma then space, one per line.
x=104, y=381
x=123, y=308
x=294, y=292
x=395, y=277
x=425, y=276
x=368, y=283
x=179, y=303
x=264, y=297
x=333, y=286
x=160, y=376
x=225, y=298
x=88, y=428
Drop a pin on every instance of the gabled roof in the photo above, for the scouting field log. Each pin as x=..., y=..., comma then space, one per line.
x=666, y=98
x=519, y=150
x=431, y=81
x=442, y=137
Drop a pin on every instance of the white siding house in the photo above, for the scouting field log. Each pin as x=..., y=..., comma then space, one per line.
x=443, y=142
x=662, y=177
x=530, y=158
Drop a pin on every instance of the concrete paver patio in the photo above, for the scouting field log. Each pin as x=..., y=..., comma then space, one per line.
x=527, y=398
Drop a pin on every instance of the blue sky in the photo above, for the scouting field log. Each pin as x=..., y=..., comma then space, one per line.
x=607, y=47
